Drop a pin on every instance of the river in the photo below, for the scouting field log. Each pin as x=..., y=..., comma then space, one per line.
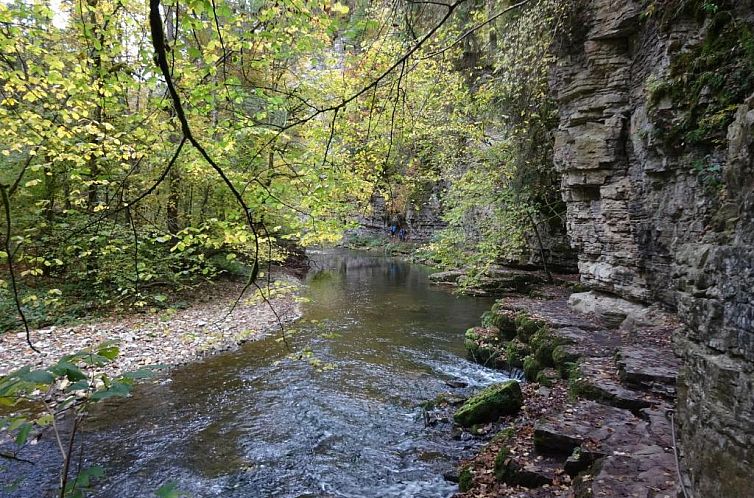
x=345, y=422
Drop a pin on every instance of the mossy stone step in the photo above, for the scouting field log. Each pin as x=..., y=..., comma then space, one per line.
x=489, y=404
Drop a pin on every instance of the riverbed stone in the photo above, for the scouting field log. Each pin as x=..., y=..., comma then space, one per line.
x=449, y=277
x=490, y=404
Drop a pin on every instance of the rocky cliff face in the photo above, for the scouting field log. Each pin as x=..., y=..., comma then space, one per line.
x=662, y=215
x=421, y=220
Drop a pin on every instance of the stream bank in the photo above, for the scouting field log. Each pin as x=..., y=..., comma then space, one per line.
x=597, y=409
x=172, y=336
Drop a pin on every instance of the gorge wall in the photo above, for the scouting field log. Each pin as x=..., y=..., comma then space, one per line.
x=657, y=168
x=421, y=219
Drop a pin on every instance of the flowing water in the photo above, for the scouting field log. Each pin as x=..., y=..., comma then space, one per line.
x=256, y=423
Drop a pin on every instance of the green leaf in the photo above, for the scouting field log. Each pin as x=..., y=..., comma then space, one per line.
x=38, y=377
x=78, y=386
x=23, y=433
x=116, y=390
x=67, y=369
x=44, y=420
x=109, y=352
x=142, y=373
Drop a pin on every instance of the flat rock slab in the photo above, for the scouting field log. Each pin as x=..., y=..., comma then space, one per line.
x=647, y=473
x=593, y=342
x=640, y=365
x=531, y=471
x=598, y=429
x=447, y=277
x=599, y=382
x=555, y=311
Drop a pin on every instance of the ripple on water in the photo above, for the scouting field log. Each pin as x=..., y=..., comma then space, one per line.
x=253, y=424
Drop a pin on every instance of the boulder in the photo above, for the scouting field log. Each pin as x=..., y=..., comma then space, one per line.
x=447, y=277
x=489, y=404
x=611, y=309
x=483, y=344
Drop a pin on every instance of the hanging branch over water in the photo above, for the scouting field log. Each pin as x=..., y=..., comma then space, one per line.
x=11, y=269
x=158, y=41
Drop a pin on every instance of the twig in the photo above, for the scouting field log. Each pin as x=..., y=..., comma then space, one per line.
x=67, y=457
x=139, y=197
x=15, y=458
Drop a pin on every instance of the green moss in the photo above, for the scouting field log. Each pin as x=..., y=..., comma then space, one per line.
x=547, y=377
x=543, y=343
x=465, y=480
x=489, y=404
x=526, y=326
x=501, y=464
x=515, y=351
x=708, y=83
x=504, y=320
x=531, y=367
x=487, y=318
x=576, y=385
x=483, y=344
x=563, y=359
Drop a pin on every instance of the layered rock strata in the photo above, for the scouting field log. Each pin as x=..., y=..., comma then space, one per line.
x=658, y=220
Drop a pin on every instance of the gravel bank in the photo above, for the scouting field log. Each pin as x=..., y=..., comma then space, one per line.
x=168, y=337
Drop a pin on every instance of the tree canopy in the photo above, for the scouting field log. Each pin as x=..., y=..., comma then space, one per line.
x=151, y=146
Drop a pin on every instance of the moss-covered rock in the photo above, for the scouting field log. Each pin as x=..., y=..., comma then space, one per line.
x=515, y=352
x=543, y=343
x=465, y=480
x=483, y=344
x=707, y=83
x=526, y=326
x=501, y=465
x=563, y=359
x=489, y=404
x=576, y=385
x=562, y=354
x=531, y=367
x=504, y=320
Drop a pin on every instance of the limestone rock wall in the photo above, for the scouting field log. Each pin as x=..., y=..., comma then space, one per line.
x=421, y=220
x=647, y=227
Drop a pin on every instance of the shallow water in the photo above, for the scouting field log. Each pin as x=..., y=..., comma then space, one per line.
x=257, y=423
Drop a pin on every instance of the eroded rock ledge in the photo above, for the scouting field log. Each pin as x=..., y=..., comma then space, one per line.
x=611, y=436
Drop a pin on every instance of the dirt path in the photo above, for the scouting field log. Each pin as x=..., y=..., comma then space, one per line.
x=168, y=337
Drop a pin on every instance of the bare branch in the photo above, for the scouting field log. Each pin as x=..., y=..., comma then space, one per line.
x=475, y=28
x=11, y=269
